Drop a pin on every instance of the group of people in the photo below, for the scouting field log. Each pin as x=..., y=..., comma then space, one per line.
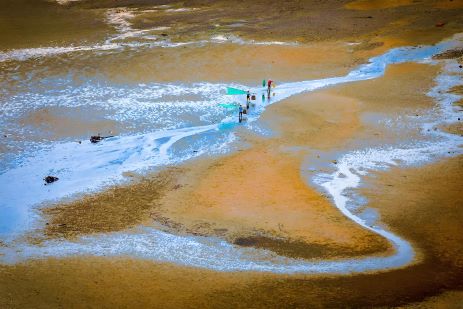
x=242, y=110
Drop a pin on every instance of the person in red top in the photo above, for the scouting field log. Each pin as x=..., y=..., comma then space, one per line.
x=269, y=87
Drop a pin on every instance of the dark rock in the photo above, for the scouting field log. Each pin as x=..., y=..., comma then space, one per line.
x=50, y=179
x=95, y=139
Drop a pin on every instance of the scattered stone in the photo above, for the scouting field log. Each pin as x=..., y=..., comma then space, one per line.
x=95, y=139
x=50, y=179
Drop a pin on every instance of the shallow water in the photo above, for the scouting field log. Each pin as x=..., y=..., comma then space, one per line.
x=163, y=108
x=168, y=123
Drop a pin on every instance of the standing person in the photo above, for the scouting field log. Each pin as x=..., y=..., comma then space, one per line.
x=269, y=87
x=248, y=99
x=240, y=115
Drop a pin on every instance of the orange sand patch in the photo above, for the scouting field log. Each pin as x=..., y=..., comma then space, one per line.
x=260, y=192
x=319, y=120
x=387, y=94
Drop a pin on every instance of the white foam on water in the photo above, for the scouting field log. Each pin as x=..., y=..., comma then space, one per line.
x=134, y=152
x=162, y=6
x=231, y=38
x=181, y=10
x=23, y=54
x=211, y=253
x=114, y=44
x=120, y=19
x=161, y=28
x=64, y=2
x=81, y=167
x=127, y=37
x=126, y=103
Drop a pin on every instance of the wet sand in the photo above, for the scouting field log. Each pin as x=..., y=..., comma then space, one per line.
x=218, y=197
x=258, y=196
x=430, y=220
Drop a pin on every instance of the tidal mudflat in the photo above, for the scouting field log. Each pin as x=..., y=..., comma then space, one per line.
x=340, y=187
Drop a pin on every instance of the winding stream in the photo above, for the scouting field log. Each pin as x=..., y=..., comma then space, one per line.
x=86, y=168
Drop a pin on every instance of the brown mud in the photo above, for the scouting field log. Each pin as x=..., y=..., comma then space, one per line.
x=431, y=213
x=257, y=197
